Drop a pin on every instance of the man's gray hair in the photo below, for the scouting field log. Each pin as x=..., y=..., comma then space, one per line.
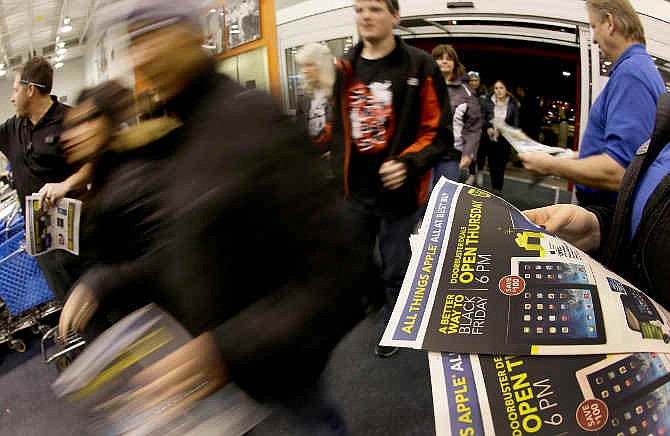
x=626, y=19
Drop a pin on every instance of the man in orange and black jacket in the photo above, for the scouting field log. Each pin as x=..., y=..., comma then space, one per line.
x=388, y=102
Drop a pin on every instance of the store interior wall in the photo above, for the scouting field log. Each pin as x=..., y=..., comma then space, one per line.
x=68, y=82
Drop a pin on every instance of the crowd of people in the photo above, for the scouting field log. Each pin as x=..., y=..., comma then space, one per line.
x=294, y=230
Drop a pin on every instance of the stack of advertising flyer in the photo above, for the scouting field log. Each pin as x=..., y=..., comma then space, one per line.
x=52, y=228
x=527, y=335
x=98, y=380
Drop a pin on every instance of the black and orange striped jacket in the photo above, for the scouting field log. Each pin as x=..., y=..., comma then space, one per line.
x=419, y=135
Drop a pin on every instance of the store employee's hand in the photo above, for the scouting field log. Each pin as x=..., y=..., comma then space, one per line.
x=538, y=163
x=52, y=192
x=78, y=310
x=393, y=174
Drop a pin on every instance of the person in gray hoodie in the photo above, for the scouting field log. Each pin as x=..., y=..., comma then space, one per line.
x=465, y=116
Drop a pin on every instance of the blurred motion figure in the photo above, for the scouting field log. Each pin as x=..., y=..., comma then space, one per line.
x=253, y=254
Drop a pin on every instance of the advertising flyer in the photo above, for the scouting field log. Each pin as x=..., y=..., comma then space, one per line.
x=54, y=228
x=522, y=143
x=97, y=383
x=620, y=395
x=484, y=279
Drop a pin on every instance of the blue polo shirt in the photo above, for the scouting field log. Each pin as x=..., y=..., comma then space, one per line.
x=622, y=117
x=648, y=184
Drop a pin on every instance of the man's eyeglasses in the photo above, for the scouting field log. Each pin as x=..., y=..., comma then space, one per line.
x=26, y=82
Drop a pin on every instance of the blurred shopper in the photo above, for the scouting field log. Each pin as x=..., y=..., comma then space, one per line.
x=476, y=176
x=255, y=255
x=631, y=238
x=388, y=105
x=501, y=108
x=621, y=118
x=123, y=210
x=465, y=114
x=315, y=106
x=31, y=142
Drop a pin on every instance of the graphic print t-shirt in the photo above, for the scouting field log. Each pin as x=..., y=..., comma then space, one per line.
x=371, y=114
x=318, y=108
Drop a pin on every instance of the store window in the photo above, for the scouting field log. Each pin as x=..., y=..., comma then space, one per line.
x=338, y=47
x=662, y=65
x=250, y=69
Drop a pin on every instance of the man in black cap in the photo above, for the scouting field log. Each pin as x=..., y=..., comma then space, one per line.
x=258, y=264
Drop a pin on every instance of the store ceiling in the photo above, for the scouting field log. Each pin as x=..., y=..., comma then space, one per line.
x=281, y=4
x=32, y=26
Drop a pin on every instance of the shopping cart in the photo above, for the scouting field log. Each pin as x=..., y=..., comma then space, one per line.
x=25, y=298
x=59, y=349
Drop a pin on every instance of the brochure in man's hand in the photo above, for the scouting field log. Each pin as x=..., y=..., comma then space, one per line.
x=56, y=228
x=522, y=143
x=100, y=376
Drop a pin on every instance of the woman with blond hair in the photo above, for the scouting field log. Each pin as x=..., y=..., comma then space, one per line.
x=317, y=76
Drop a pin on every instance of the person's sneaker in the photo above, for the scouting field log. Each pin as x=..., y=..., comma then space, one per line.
x=471, y=179
x=480, y=179
x=383, y=351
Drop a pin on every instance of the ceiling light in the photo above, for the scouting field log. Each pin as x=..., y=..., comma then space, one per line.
x=59, y=65
x=607, y=63
x=234, y=31
x=58, y=58
x=567, y=74
x=61, y=51
x=212, y=11
x=60, y=44
x=209, y=46
x=57, y=38
x=65, y=29
x=67, y=20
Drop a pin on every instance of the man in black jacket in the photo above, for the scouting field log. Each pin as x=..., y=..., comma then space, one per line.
x=259, y=263
x=31, y=142
x=388, y=105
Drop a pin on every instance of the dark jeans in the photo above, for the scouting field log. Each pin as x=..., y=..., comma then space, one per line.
x=483, y=151
x=498, y=157
x=392, y=234
x=447, y=168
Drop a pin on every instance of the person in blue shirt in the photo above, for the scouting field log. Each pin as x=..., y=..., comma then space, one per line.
x=631, y=238
x=621, y=118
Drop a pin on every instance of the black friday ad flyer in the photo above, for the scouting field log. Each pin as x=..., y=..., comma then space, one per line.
x=483, y=279
x=556, y=395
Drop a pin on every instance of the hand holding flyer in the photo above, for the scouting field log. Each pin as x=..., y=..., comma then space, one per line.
x=484, y=279
x=53, y=228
